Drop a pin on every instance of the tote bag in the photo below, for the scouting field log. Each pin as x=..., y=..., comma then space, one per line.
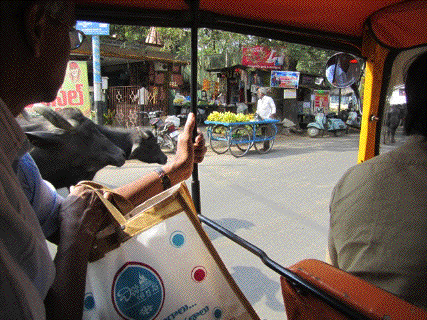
x=163, y=267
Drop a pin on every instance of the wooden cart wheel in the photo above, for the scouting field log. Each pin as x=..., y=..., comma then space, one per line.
x=240, y=141
x=218, y=139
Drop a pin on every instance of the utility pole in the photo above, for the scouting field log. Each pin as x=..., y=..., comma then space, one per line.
x=97, y=81
x=96, y=29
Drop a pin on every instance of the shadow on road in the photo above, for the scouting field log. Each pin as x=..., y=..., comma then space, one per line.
x=296, y=145
x=257, y=285
x=230, y=224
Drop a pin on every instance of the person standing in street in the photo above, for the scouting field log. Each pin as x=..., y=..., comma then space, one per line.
x=266, y=109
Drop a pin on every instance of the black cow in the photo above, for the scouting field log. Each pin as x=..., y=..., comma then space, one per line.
x=137, y=143
x=393, y=118
x=68, y=154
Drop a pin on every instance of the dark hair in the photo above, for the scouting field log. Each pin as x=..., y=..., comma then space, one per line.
x=54, y=7
x=16, y=9
x=58, y=9
x=416, y=97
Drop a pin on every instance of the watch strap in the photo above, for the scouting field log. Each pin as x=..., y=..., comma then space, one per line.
x=166, y=182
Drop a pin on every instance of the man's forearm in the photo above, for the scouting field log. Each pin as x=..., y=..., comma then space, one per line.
x=65, y=297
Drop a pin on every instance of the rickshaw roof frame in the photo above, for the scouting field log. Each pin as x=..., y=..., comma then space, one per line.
x=331, y=26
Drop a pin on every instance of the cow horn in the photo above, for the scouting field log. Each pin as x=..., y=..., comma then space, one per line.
x=144, y=135
x=140, y=132
x=147, y=134
x=25, y=115
x=53, y=117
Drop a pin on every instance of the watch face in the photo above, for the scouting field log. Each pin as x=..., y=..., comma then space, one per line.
x=160, y=172
x=166, y=182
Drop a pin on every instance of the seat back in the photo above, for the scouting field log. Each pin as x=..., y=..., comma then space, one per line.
x=361, y=296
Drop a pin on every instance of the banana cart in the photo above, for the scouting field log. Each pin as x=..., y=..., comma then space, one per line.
x=239, y=137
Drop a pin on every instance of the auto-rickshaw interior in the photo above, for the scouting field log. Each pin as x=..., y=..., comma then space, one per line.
x=380, y=38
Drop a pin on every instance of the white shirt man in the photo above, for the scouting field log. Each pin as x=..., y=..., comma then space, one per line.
x=266, y=108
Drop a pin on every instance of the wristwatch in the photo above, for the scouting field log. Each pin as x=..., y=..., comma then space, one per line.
x=166, y=182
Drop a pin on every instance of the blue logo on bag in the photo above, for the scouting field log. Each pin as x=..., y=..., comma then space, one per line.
x=138, y=292
x=89, y=301
x=217, y=313
x=177, y=239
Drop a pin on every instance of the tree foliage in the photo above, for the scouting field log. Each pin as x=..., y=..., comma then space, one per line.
x=217, y=47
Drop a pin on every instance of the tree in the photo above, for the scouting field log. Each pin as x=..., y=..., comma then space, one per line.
x=225, y=47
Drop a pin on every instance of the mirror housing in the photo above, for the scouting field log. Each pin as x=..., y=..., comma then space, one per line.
x=343, y=70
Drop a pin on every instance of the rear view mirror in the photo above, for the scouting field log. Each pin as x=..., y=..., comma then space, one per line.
x=342, y=70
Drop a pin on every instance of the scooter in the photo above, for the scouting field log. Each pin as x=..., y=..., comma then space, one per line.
x=354, y=119
x=165, y=131
x=326, y=123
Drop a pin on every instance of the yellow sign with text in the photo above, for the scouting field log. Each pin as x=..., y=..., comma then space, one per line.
x=74, y=91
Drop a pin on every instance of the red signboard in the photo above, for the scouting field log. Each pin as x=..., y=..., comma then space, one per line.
x=263, y=57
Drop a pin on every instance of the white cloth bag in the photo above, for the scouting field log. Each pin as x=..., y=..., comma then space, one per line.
x=167, y=270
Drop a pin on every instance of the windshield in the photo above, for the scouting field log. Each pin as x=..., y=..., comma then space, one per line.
x=393, y=122
x=269, y=183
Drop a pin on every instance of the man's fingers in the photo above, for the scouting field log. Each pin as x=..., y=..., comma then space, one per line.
x=199, y=139
x=189, y=124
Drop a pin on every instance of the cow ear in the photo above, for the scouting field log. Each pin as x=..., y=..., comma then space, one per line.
x=53, y=117
x=147, y=134
x=72, y=114
x=43, y=139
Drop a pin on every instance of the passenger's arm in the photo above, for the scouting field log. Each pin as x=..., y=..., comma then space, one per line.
x=179, y=170
x=331, y=252
x=82, y=215
x=328, y=257
x=42, y=196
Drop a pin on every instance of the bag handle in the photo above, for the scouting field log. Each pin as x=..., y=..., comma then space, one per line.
x=110, y=207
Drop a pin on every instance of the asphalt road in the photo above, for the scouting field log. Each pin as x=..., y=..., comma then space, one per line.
x=277, y=201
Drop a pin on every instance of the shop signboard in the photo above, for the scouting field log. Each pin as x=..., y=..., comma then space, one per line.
x=93, y=28
x=74, y=91
x=284, y=79
x=263, y=57
x=321, y=101
x=289, y=94
x=398, y=97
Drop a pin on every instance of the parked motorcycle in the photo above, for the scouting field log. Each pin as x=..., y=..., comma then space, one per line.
x=290, y=127
x=326, y=123
x=165, y=131
x=354, y=119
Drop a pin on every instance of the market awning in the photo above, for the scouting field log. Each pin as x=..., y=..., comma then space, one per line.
x=337, y=24
x=116, y=52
